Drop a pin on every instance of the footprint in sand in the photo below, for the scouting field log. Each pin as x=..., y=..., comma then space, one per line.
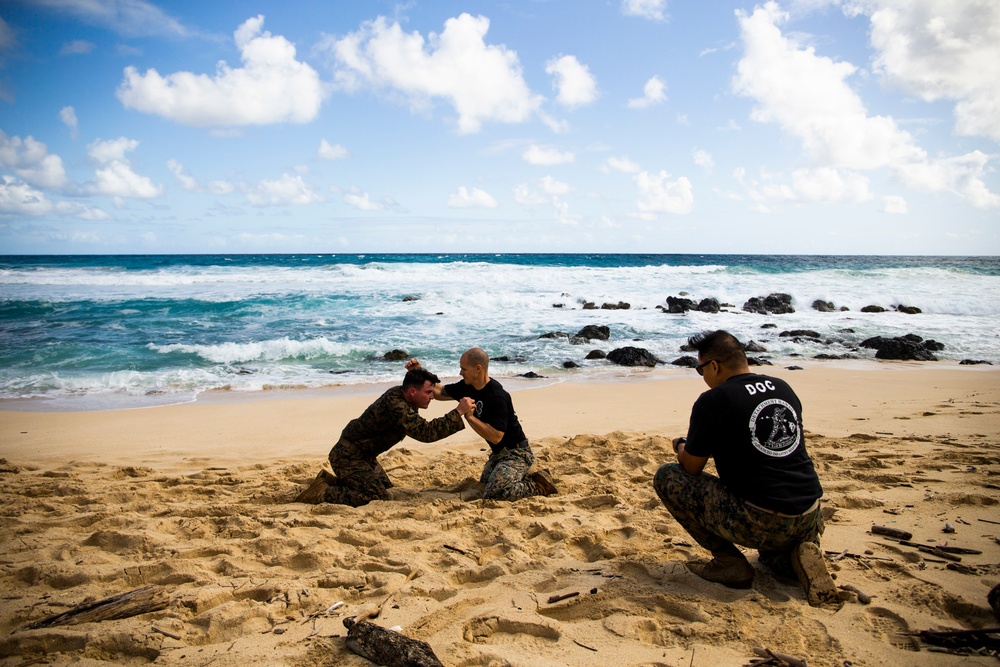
x=497, y=630
x=891, y=627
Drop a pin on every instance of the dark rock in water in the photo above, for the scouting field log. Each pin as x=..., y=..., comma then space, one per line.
x=595, y=354
x=396, y=355
x=933, y=345
x=758, y=361
x=589, y=305
x=901, y=348
x=832, y=357
x=677, y=305
x=709, y=305
x=909, y=310
x=411, y=298
x=772, y=304
x=530, y=375
x=769, y=325
x=594, y=332
x=823, y=306
x=632, y=356
x=621, y=305
x=508, y=359
x=688, y=347
x=873, y=309
x=799, y=333
x=570, y=364
x=754, y=346
x=558, y=305
x=685, y=361
x=793, y=368
x=846, y=331
x=555, y=334
x=974, y=362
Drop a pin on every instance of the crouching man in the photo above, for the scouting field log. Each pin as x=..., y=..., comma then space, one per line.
x=766, y=496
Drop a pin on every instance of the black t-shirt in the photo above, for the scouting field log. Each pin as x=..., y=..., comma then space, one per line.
x=493, y=406
x=752, y=426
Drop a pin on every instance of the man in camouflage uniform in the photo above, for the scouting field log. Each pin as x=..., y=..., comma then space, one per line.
x=767, y=493
x=359, y=476
x=506, y=473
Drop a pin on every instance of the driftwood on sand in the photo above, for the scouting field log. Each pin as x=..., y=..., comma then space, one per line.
x=386, y=647
x=139, y=601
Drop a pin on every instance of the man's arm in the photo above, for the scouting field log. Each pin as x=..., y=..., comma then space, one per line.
x=485, y=431
x=693, y=465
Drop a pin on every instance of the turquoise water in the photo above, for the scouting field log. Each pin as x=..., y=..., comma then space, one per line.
x=130, y=329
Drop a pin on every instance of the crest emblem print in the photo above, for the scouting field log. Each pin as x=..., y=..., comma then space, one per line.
x=774, y=428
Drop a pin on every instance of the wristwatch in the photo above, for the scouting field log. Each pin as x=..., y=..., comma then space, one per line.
x=678, y=443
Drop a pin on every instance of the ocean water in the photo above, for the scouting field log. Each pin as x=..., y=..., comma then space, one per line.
x=84, y=332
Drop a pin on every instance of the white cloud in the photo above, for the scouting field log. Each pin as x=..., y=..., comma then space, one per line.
x=525, y=195
x=551, y=186
x=287, y=190
x=546, y=156
x=476, y=198
x=654, y=92
x=622, y=164
x=131, y=18
x=658, y=194
x=703, y=158
x=830, y=185
x=115, y=176
x=654, y=10
x=187, y=181
x=328, y=151
x=575, y=86
x=482, y=82
x=77, y=47
x=68, y=116
x=19, y=198
x=808, y=96
x=271, y=87
x=941, y=49
x=894, y=204
x=360, y=200
x=31, y=160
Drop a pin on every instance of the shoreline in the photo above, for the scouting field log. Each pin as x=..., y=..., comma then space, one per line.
x=610, y=375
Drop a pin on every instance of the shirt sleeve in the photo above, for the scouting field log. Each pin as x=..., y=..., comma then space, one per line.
x=422, y=430
x=703, y=431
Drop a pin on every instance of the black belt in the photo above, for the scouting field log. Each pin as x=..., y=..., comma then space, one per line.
x=812, y=508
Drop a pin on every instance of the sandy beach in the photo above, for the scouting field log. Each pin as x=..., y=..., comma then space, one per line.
x=194, y=500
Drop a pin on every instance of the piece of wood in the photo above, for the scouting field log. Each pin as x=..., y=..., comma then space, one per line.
x=385, y=647
x=559, y=598
x=927, y=549
x=863, y=597
x=789, y=659
x=892, y=532
x=140, y=601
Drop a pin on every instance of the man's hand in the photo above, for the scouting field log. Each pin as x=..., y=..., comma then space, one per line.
x=412, y=365
x=465, y=406
x=678, y=443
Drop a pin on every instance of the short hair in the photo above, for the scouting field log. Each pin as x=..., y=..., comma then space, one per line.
x=417, y=377
x=477, y=357
x=721, y=346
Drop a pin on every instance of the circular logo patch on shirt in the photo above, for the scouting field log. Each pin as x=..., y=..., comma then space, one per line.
x=774, y=428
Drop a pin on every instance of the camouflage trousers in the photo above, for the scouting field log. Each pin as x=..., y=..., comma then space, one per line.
x=359, y=480
x=718, y=520
x=505, y=475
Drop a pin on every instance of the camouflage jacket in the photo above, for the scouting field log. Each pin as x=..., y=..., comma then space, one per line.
x=389, y=419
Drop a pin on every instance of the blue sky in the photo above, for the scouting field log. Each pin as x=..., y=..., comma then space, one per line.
x=804, y=126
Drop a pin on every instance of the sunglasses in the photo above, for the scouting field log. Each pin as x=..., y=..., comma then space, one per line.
x=700, y=367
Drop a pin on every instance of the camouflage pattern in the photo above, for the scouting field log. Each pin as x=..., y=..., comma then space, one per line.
x=718, y=520
x=505, y=474
x=360, y=478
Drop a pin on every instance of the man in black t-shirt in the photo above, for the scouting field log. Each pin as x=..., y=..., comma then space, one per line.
x=767, y=493
x=506, y=472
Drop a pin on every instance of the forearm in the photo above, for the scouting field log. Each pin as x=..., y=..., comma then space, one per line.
x=485, y=431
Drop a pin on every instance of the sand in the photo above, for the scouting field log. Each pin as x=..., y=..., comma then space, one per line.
x=194, y=499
